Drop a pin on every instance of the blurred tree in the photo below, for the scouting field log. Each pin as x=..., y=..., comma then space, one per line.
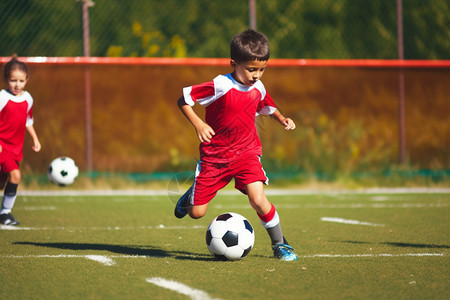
x=40, y=28
x=374, y=34
x=427, y=29
x=296, y=28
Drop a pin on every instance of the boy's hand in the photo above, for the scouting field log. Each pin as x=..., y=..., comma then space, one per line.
x=37, y=146
x=204, y=132
x=288, y=123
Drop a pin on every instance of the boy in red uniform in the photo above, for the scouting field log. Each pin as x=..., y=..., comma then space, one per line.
x=16, y=115
x=230, y=146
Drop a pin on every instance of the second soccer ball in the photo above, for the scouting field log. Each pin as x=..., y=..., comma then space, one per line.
x=62, y=171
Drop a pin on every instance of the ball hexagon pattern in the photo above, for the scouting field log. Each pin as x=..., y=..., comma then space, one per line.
x=230, y=236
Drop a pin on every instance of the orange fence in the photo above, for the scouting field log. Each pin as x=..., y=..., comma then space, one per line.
x=120, y=114
x=170, y=61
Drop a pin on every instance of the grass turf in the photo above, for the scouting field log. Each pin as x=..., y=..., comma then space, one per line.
x=106, y=247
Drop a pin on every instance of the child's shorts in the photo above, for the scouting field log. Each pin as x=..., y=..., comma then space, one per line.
x=8, y=162
x=210, y=177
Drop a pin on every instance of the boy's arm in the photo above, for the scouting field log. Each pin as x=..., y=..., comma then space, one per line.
x=37, y=145
x=286, y=122
x=204, y=131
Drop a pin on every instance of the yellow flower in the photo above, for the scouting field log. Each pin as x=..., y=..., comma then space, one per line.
x=152, y=50
x=114, y=51
x=137, y=28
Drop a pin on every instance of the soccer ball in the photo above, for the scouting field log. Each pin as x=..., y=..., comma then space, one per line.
x=62, y=171
x=230, y=236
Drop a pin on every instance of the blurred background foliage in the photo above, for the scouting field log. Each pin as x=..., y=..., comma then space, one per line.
x=347, y=118
x=334, y=29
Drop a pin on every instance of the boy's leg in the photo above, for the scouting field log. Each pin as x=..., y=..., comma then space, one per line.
x=185, y=207
x=209, y=178
x=266, y=211
x=182, y=207
x=9, y=197
x=185, y=201
x=3, y=180
x=198, y=211
x=270, y=220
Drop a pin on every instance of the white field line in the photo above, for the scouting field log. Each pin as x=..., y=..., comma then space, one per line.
x=345, y=206
x=95, y=193
x=6, y=227
x=38, y=208
x=349, y=205
x=91, y=257
x=106, y=259
x=373, y=255
x=180, y=288
x=369, y=191
x=101, y=259
x=351, y=222
x=268, y=191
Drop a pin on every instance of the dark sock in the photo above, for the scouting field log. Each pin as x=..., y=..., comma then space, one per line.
x=276, y=235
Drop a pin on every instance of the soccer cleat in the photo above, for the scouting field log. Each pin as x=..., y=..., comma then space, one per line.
x=8, y=219
x=284, y=252
x=181, y=209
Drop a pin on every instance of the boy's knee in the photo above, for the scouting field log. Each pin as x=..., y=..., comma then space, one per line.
x=261, y=205
x=14, y=176
x=259, y=201
x=196, y=212
x=195, y=216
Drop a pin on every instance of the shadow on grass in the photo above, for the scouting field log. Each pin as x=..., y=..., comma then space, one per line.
x=125, y=250
x=403, y=245
x=409, y=245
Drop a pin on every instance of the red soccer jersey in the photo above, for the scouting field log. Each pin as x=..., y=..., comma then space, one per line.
x=16, y=113
x=231, y=109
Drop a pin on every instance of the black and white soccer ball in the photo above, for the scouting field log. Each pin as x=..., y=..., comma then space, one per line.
x=230, y=236
x=62, y=171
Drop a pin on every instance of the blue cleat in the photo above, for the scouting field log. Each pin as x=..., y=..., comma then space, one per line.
x=181, y=209
x=284, y=252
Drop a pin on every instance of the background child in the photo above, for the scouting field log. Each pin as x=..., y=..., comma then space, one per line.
x=16, y=114
x=230, y=146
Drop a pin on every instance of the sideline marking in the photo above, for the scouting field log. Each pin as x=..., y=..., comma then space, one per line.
x=73, y=256
x=353, y=205
x=351, y=222
x=180, y=288
x=370, y=255
x=374, y=255
x=38, y=208
x=161, y=226
x=101, y=259
x=268, y=191
x=10, y=227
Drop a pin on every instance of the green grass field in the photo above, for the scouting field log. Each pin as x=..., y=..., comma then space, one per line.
x=350, y=246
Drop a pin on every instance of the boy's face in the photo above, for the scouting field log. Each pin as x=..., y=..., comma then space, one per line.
x=249, y=72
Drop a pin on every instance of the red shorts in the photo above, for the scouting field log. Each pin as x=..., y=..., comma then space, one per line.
x=210, y=177
x=8, y=162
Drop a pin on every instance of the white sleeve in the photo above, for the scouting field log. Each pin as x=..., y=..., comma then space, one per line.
x=30, y=118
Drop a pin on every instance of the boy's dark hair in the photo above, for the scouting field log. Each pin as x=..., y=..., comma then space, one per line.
x=14, y=64
x=249, y=45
